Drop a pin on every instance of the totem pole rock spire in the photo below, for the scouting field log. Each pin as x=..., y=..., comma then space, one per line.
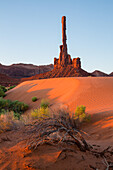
x=64, y=58
x=63, y=48
x=64, y=30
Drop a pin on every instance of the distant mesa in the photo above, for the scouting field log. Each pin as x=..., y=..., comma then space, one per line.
x=98, y=73
x=21, y=70
x=111, y=74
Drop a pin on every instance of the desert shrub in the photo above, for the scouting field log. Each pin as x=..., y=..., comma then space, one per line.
x=80, y=114
x=8, y=121
x=40, y=113
x=17, y=115
x=44, y=103
x=11, y=87
x=2, y=112
x=16, y=106
x=3, y=88
x=2, y=93
x=34, y=99
x=58, y=128
x=3, y=103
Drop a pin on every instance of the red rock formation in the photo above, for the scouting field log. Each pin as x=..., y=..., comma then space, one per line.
x=64, y=58
x=68, y=71
x=64, y=66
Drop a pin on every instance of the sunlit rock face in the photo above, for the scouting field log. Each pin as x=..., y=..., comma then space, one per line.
x=64, y=58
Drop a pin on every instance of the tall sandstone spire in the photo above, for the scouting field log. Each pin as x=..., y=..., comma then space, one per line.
x=64, y=58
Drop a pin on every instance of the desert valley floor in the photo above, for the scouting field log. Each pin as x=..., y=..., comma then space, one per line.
x=96, y=93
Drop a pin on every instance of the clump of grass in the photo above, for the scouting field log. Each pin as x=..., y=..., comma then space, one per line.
x=80, y=114
x=44, y=103
x=34, y=99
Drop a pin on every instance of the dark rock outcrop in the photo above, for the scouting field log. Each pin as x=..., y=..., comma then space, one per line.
x=8, y=81
x=111, y=74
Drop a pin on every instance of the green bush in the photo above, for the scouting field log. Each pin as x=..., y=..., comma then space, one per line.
x=2, y=94
x=34, y=99
x=16, y=106
x=3, y=88
x=17, y=115
x=80, y=114
x=44, y=103
x=3, y=103
x=11, y=87
x=2, y=112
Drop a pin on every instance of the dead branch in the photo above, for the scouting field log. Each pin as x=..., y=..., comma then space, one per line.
x=57, y=129
x=108, y=165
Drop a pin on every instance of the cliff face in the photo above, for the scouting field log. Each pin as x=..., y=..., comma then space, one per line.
x=24, y=70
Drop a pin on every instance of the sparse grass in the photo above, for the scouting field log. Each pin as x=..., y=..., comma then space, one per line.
x=44, y=103
x=80, y=114
x=34, y=99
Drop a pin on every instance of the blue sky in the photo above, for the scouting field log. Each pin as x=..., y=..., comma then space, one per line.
x=30, y=31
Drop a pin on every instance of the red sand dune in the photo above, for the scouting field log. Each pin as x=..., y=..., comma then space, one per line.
x=94, y=92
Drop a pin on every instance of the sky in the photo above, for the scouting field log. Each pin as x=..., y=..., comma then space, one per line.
x=30, y=32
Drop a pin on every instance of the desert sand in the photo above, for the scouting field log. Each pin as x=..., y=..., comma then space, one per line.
x=93, y=92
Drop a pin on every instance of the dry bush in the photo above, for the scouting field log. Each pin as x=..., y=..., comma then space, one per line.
x=40, y=113
x=61, y=127
x=8, y=122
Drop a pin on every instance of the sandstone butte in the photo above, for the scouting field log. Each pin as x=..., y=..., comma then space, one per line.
x=64, y=66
